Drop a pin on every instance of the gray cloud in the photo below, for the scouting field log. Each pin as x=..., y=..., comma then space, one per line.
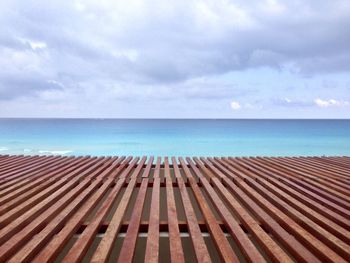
x=21, y=86
x=101, y=45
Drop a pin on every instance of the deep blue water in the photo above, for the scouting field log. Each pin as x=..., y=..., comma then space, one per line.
x=175, y=137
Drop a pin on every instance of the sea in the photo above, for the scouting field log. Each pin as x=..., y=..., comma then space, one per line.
x=174, y=137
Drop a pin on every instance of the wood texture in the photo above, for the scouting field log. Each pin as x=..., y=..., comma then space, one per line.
x=132, y=209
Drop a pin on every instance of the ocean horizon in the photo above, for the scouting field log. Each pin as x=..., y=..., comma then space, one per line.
x=175, y=137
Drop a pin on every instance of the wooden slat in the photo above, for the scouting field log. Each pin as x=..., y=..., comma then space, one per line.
x=80, y=248
x=303, y=191
x=335, y=180
x=27, y=188
x=200, y=249
x=24, y=234
x=127, y=252
x=18, y=164
x=336, y=218
x=249, y=250
x=309, y=185
x=22, y=175
x=340, y=162
x=15, y=163
x=106, y=245
x=275, y=209
x=216, y=232
x=287, y=222
x=317, y=182
x=28, y=167
x=47, y=197
x=38, y=241
x=329, y=169
x=176, y=251
x=294, y=246
x=318, y=223
x=152, y=246
x=78, y=251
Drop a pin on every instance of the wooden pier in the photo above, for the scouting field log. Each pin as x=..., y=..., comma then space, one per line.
x=138, y=209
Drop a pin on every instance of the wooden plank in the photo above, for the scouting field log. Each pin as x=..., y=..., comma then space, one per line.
x=145, y=226
x=317, y=189
x=176, y=250
x=288, y=223
x=9, y=187
x=321, y=175
x=28, y=167
x=317, y=182
x=221, y=242
x=340, y=162
x=271, y=248
x=27, y=188
x=329, y=169
x=281, y=176
x=198, y=243
x=338, y=166
x=44, y=199
x=105, y=247
x=22, y=162
x=127, y=251
x=15, y=162
x=152, y=245
x=278, y=209
x=5, y=159
x=37, y=243
x=22, y=235
x=79, y=249
x=314, y=222
x=296, y=248
x=335, y=217
x=23, y=174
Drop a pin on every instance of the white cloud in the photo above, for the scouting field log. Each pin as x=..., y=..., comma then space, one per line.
x=235, y=105
x=331, y=102
x=248, y=107
x=35, y=45
x=100, y=50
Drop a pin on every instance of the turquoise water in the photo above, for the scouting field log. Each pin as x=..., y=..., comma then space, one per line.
x=175, y=137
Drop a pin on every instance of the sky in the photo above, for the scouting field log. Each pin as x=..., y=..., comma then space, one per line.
x=175, y=59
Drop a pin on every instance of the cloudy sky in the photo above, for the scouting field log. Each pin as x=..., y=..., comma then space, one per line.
x=175, y=59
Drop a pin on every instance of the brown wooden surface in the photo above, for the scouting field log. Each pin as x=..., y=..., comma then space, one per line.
x=145, y=209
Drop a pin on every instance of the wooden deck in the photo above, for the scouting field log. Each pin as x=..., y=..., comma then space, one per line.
x=107, y=209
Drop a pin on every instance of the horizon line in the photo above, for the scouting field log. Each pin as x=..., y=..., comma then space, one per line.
x=123, y=118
